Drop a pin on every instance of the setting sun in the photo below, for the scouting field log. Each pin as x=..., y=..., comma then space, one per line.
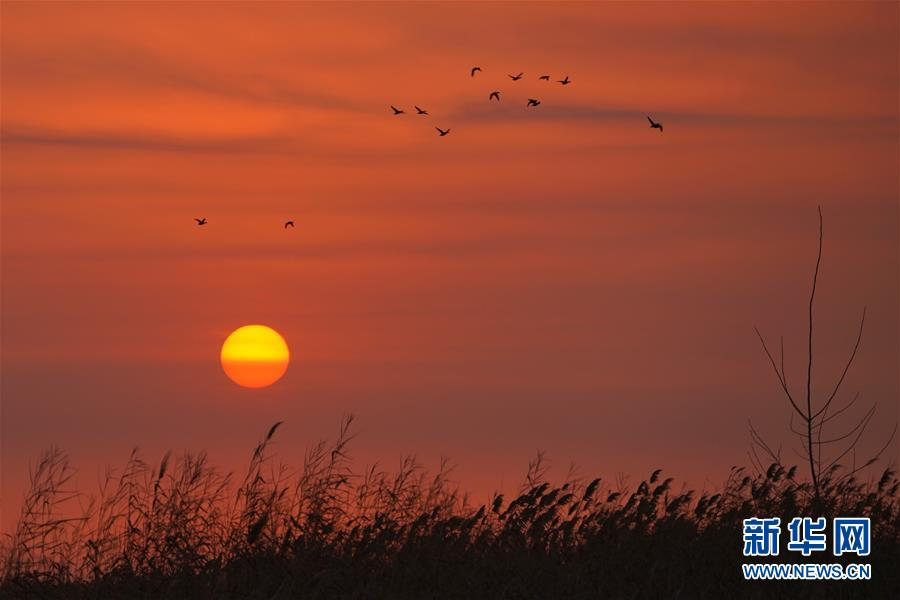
x=255, y=356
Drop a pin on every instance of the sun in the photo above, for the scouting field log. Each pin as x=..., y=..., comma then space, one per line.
x=255, y=356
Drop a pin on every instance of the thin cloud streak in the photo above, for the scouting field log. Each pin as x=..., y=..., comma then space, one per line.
x=141, y=68
x=15, y=135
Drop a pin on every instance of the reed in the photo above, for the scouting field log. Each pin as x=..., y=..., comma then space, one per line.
x=184, y=529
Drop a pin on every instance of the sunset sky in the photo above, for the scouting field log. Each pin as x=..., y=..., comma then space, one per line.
x=561, y=278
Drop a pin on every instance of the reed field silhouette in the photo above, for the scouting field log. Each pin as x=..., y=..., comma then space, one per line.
x=184, y=529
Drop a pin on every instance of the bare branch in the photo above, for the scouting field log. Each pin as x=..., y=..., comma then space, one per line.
x=761, y=443
x=824, y=420
x=793, y=430
x=781, y=380
x=855, y=441
x=867, y=416
x=874, y=457
x=809, y=412
x=783, y=373
x=837, y=386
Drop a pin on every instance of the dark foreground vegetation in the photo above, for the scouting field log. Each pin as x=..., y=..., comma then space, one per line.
x=182, y=529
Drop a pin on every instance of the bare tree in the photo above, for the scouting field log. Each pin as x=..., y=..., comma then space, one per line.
x=814, y=416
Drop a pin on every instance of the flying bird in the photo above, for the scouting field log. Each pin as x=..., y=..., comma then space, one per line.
x=654, y=124
x=288, y=224
x=442, y=132
x=544, y=77
x=532, y=102
x=565, y=81
x=474, y=70
x=516, y=77
x=494, y=95
x=396, y=110
x=200, y=221
x=420, y=111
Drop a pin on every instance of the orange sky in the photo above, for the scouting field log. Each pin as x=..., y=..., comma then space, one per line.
x=561, y=278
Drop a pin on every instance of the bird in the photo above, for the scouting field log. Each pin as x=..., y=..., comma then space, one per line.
x=544, y=77
x=442, y=132
x=474, y=70
x=288, y=224
x=532, y=102
x=396, y=110
x=516, y=77
x=420, y=111
x=565, y=81
x=200, y=221
x=654, y=124
x=494, y=95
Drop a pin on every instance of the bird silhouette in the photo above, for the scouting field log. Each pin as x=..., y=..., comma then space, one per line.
x=655, y=125
x=442, y=132
x=544, y=77
x=420, y=111
x=516, y=77
x=396, y=110
x=200, y=221
x=288, y=224
x=494, y=95
x=474, y=70
x=565, y=81
x=532, y=102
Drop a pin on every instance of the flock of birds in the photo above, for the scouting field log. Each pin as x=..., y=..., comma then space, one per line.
x=493, y=96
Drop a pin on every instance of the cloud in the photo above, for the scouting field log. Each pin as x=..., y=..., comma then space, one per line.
x=567, y=111
x=130, y=65
x=13, y=134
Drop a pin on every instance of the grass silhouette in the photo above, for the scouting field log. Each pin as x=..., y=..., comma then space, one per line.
x=184, y=529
